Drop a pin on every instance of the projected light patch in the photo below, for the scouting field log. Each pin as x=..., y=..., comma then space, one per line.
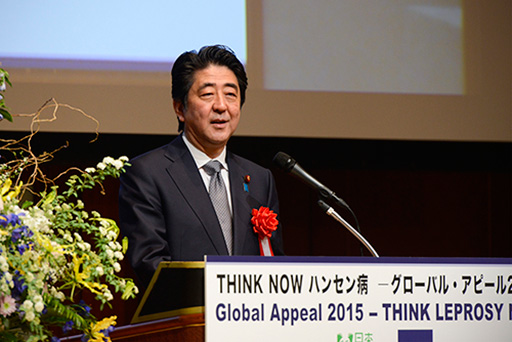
x=117, y=35
x=411, y=46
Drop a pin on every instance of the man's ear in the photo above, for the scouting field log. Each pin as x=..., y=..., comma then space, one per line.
x=179, y=109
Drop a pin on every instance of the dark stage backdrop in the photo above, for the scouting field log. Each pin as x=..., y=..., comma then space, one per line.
x=412, y=198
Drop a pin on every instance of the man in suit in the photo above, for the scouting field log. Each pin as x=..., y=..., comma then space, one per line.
x=168, y=202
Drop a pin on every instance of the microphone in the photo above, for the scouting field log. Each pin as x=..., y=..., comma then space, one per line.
x=288, y=164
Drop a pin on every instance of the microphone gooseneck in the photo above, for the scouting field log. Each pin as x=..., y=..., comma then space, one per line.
x=288, y=164
x=331, y=212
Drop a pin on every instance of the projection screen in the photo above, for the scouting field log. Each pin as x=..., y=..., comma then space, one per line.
x=362, y=69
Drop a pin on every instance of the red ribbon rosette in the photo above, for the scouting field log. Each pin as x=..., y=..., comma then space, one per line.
x=264, y=222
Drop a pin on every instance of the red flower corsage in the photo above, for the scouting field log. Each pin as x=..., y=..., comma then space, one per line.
x=264, y=222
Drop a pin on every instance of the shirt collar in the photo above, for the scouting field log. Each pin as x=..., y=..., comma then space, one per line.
x=202, y=158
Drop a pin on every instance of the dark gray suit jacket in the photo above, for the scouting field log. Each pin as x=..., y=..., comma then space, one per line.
x=166, y=212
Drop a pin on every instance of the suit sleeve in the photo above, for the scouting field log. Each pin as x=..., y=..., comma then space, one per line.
x=142, y=221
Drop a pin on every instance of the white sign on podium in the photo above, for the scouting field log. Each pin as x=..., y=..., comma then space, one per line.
x=357, y=299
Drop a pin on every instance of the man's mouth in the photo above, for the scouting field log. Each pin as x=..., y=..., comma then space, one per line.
x=219, y=122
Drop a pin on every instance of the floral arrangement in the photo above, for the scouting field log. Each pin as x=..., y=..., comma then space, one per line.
x=52, y=250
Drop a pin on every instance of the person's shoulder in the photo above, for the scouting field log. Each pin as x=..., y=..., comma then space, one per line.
x=246, y=163
x=155, y=155
x=149, y=157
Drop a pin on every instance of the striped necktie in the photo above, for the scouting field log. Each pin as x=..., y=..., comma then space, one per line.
x=219, y=198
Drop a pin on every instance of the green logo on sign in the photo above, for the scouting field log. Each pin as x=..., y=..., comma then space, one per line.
x=356, y=337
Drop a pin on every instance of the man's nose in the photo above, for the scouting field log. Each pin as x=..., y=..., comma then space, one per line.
x=219, y=105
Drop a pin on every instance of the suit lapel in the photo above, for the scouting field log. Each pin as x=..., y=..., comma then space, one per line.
x=241, y=204
x=184, y=172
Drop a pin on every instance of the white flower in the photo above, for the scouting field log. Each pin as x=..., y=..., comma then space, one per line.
x=109, y=252
x=39, y=306
x=4, y=287
x=30, y=315
x=108, y=160
x=90, y=170
x=35, y=219
x=27, y=304
x=67, y=236
x=39, y=283
x=100, y=271
x=117, y=164
x=111, y=235
x=124, y=158
x=108, y=295
x=79, y=204
x=87, y=246
x=117, y=267
x=101, y=166
x=58, y=294
x=29, y=276
x=118, y=255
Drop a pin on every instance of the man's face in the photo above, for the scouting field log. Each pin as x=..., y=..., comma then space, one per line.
x=213, y=109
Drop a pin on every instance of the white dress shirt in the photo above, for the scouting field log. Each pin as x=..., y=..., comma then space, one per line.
x=202, y=158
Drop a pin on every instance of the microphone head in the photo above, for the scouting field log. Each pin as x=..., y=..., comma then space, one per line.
x=284, y=161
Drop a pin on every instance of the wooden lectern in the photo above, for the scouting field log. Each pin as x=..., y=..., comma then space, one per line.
x=172, y=308
x=187, y=328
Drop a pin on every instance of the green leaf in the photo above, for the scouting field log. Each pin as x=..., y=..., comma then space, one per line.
x=51, y=196
x=27, y=204
x=56, y=308
x=125, y=244
x=5, y=76
x=6, y=114
x=8, y=336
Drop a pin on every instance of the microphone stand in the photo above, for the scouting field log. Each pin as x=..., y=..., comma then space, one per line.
x=331, y=212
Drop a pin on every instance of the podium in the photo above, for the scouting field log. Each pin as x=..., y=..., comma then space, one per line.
x=326, y=299
x=171, y=309
x=186, y=328
x=175, y=290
